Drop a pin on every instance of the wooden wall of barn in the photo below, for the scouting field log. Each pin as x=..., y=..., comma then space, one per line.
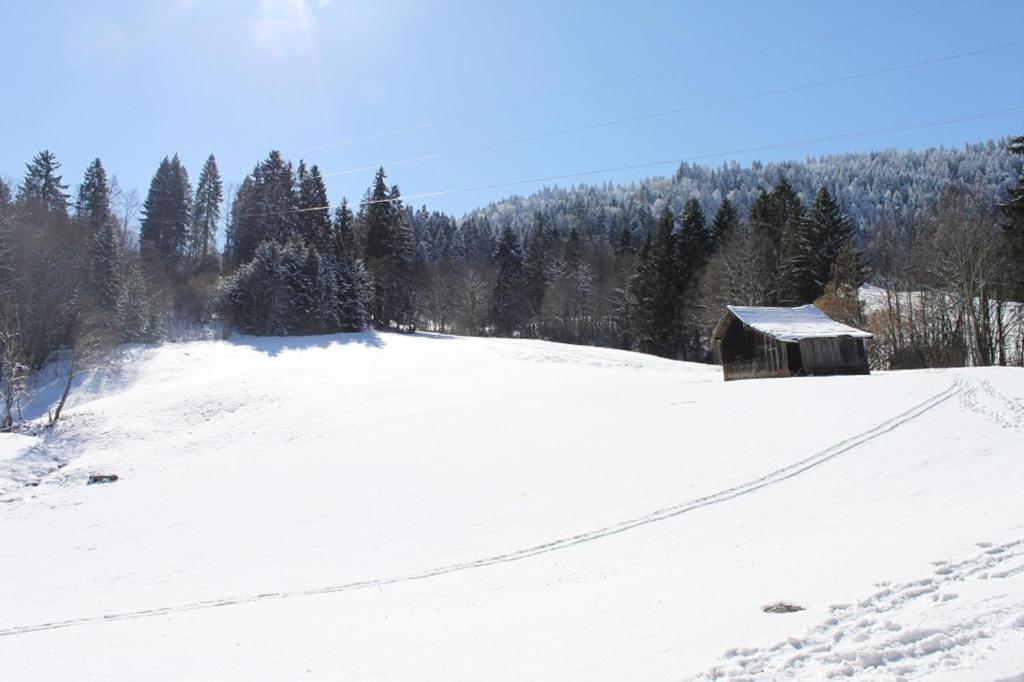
x=834, y=355
x=765, y=356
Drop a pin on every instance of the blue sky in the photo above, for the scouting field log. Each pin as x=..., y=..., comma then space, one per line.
x=133, y=81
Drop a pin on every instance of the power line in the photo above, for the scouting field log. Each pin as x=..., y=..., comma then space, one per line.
x=679, y=110
x=637, y=77
x=675, y=161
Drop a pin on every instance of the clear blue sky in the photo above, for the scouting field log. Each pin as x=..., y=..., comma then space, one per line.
x=132, y=81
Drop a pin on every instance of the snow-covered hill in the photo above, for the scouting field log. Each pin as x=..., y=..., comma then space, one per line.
x=424, y=507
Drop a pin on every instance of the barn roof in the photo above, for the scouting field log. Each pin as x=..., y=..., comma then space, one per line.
x=793, y=324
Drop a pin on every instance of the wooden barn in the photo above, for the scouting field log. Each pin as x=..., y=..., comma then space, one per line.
x=758, y=342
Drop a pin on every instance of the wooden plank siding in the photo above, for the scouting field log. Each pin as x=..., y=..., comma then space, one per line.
x=834, y=355
x=764, y=356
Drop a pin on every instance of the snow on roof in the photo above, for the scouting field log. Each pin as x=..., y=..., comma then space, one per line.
x=793, y=324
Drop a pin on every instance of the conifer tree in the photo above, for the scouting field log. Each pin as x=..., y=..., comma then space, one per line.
x=313, y=220
x=206, y=213
x=508, y=299
x=799, y=261
x=234, y=230
x=656, y=311
x=352, y=294
x=625, y=246
x=831, y=231
x=345, y=242
x=164, y=235
x=379, y=214
x=724, y=224
x=6, y=232
x=773, y=210
x=389, y=255
x=264, y=208
x=133, y=315
x=537, y=264
x=93, y=213
x=42, y=185
x=1013, y=227
x=693, y=244
x=692, y=250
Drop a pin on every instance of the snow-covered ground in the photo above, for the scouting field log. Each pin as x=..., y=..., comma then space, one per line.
x=432, y=508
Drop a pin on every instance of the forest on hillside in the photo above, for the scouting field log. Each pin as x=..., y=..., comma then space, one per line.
x=646, y=266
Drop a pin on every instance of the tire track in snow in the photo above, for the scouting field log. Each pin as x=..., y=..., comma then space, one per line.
x=772, y=478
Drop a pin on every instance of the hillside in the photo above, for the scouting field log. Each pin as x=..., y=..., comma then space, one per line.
x=900, y=184
x=381, y=506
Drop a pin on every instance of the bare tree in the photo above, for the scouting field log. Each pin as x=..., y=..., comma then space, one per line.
x=126, y=206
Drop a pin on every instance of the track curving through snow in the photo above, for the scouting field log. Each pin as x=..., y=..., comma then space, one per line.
x=777, y=476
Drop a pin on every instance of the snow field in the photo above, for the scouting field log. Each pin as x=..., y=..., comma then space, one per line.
x=425, y=507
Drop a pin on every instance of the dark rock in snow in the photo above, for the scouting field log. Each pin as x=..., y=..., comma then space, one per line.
x=782, y=607
x=101, y=478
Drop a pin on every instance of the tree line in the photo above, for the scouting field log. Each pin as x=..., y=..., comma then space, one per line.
x=75, y=280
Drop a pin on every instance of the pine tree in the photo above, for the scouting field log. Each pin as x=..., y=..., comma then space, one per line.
x=206, y=214
x=93, y=213
x=42, y=186
x=164, y=235
x=508, y=299
x=724, y=224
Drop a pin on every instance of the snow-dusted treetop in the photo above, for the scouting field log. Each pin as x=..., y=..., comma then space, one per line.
x=793, y=324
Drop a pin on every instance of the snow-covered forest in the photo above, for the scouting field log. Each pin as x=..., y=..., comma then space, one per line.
x=646, y=266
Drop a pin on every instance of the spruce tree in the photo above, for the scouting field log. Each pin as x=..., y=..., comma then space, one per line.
x=799, y=261
x=93, y=213
x=508, y=299
x=625, y=246
x=42, y=185
x=724, y=224
x=133, y=316
x=830, y=229
x=313, y=221
x=693, y=245
x=1013, y=227
x=206, y=214
x=657, y=288
x=6, y=233
x=537, y=263
x=389, y=255
x=344, y=232
x=264, y=209
x=235, y=229
x=164, y=235
x=379, y=214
